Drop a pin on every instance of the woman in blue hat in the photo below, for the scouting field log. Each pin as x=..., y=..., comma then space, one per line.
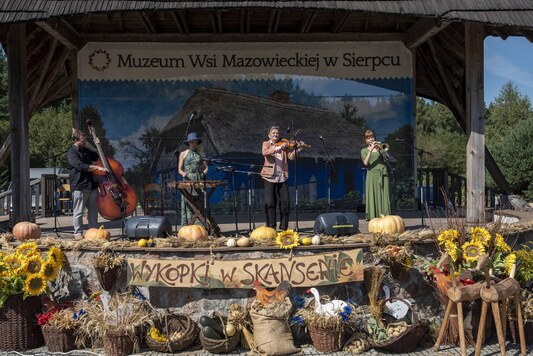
x=191, y=167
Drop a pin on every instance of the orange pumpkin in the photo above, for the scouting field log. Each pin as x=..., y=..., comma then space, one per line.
x=26, y=230
x=98, y=234
x=390, y=224
x=193, y=233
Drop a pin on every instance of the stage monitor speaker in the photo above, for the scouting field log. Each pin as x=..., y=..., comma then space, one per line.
x=336, y=224
x=147, y=226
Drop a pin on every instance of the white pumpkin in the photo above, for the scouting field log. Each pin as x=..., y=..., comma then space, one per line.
x=315, y=240
x=231, y=243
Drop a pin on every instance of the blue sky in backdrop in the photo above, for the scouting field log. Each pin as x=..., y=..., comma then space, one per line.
x=509, y=60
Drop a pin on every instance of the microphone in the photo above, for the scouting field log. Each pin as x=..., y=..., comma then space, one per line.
x=192, y=116
x=288, y=129
x=322, y=138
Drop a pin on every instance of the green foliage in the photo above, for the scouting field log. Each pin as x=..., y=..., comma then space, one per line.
x=524, y=272
x=508, y=109
x=514, y=156
x=350, y=113
x=50, y=132
x=4, y=98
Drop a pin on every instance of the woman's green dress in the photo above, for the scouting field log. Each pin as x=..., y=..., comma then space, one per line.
x=377, y=194
x=193, y=165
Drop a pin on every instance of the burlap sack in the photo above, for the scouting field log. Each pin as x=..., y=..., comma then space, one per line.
x=272, y=334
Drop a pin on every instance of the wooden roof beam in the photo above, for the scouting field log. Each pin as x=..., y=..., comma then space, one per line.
x=307, y=21
x=528, y=35
x=183, y=19
x=340, y=21
x=213, y=22
x=423, y=30
x=501, y=34
x=44, y=70
x=147, y=23
x=219, y=19
x=120, y=22
x=63, y=33
x=176, y=21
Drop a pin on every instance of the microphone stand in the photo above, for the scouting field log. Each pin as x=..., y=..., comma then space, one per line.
x=329, y=167
x=420, y=153
x=54, y=163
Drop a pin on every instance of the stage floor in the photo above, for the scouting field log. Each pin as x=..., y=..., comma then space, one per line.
x=413, y=220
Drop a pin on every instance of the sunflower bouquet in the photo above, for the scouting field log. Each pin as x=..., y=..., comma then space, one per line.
x=465, y=246
x=27, y=271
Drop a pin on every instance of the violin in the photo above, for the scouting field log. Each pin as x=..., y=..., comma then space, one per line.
x=116, y=199
x=292, y=143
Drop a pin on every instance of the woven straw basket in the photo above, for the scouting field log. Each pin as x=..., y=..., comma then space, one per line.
x=408, y=339
x=326, y=340
x=118, y=344
x=58, y=340
x=18, y=325
x=174, y=323
x=220, y=346
x=108, y=278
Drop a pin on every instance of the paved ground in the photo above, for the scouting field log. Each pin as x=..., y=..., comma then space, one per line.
x=490, y=349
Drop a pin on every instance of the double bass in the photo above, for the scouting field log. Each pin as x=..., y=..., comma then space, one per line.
x=116, y=199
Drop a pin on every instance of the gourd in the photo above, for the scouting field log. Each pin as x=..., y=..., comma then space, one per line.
x=315, y=240
x=264, y=233
x=243, y=242
x=306, y=241
x=210, y=333
x=193, y=233
x=206, y=321
x=26, y=230
x=390, y=224
x=98, y=234
x=230, y=329
x=231, y=243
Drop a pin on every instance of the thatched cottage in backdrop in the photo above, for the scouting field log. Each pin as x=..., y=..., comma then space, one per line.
x=233, y=125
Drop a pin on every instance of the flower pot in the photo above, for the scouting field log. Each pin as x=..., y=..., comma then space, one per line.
x=118, y=344
x=107, y=279
x=514, y=336
x=18, y=325
x=58, y=340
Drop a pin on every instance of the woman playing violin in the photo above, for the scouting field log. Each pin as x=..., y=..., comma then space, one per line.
x=275, y=172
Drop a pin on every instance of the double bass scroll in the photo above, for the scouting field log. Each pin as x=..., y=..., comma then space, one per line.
x=116, y=199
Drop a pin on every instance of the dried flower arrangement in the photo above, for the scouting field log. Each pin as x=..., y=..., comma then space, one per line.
x=59, y=318
x=107, y=260
x=118, y=313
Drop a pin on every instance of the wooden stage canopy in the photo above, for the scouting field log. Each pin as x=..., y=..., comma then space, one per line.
x=446, y=37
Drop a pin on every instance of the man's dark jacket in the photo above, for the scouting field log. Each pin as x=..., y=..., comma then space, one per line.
x=79, y=159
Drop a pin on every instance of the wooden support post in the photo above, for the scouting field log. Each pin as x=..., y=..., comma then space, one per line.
x=74, y=91
x=18, y=112
x=475, y=125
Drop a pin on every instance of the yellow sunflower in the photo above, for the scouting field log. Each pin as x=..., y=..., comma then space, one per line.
x=288, y=239
x=35, y=284
x=15, y=262
x=447, y=235
x=452, y=250
x=34, y=264
x=56, y=255
x=50, y=270
x=501, y=244
x=509, y=261
x=27, y=249
x=472, y=250
x=480, y=234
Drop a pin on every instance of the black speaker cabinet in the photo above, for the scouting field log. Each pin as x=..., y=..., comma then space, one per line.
x=147, y=226
x=336, y=224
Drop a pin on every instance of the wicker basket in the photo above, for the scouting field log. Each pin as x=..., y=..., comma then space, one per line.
x=18, y=325
x=107, y=279
x=408, y=339
x=326, y=340
x=58, y=340
x=220, y=346
x=174, y=323
x=118, y=344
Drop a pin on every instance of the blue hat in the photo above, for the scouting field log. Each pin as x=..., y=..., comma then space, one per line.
x=192, y=136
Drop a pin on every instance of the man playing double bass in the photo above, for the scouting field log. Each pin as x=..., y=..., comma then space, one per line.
x=82, y=185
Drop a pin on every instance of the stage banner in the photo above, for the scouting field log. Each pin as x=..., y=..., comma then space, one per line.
x=301, y=271
x=196, y=61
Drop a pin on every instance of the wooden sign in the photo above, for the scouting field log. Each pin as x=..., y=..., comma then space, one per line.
x=302, y=271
